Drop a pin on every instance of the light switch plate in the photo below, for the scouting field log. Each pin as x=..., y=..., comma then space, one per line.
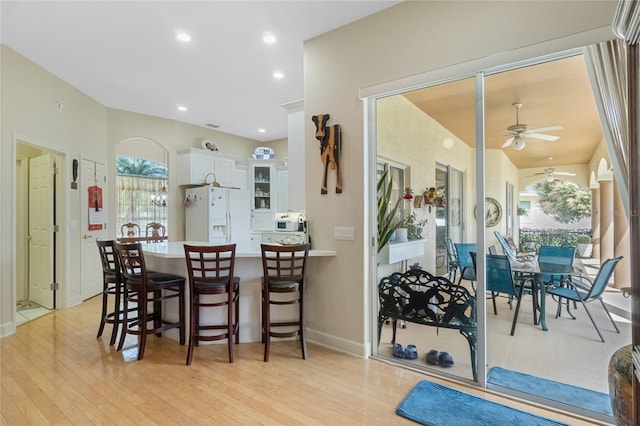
x=344, y=233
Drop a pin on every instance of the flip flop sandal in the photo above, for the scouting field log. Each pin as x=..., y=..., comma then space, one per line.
x=433, y=357
x=398, y=351
x=411, y=352
x=445, y=360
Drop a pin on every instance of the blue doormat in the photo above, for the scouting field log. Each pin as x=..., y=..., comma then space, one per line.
x=432, y=404
x=571, y=395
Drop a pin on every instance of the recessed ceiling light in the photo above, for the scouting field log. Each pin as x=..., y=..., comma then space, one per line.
x=261, y=130
x=278, y=74
x=181, y=108
x=182, y=36
x=269, y=38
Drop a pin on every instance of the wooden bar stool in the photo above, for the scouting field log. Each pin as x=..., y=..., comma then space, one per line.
x=211, y=273
x=283, y=273
x=142, y=287
x=111, y=286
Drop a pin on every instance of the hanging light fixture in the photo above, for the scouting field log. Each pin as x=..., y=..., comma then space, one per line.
x=518, y=143
x=160, y=199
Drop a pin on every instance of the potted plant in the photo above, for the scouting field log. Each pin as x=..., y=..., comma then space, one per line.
x=388, y=220
x=414, y=226
x=584, y=246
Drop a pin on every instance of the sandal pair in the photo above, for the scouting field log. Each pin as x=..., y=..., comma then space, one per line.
x=411, y=352
x=439, y=358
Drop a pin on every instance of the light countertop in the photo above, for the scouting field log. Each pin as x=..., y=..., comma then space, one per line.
x=175, y=249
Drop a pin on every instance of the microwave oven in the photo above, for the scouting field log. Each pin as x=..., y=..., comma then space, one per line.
x=289, y=222
x=287, y=225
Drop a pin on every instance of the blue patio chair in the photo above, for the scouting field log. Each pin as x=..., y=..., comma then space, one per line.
x=509, y=251
x=453, y=259
x=465, y=262
x=557, y=255
x=500, y=281
x=581, y=289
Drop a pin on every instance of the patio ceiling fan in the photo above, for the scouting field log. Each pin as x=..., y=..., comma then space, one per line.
x=551, y=172
x=520, y=132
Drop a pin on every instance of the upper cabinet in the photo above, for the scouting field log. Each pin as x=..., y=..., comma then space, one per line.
x=263, y=186
x=196, y=164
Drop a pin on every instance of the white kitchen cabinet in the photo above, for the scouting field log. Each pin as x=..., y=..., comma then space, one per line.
x=263, y=187
x=282, y=179
x=196, y=164
x=261, y=221
x=241, y=176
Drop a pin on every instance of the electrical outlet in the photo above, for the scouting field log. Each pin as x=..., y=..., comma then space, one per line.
x=343, y=233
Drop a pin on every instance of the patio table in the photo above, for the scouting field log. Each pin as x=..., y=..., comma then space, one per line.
x=534, y=271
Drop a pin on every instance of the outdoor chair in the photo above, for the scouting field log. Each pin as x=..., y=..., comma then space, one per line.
x=556, y=255
x=510, y=250
x=465, y=262
x=500, y=281
x=582, y=289
x=452, y=255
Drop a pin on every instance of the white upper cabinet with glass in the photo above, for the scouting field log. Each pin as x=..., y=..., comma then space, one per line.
x=263, y=186
x=196, y=164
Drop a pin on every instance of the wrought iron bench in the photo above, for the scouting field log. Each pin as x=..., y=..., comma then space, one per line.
x=418, y=297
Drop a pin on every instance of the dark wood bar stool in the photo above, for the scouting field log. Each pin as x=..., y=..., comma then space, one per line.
x=111, y=286
x=283, y=273
x=142, y=288
x=211, y=271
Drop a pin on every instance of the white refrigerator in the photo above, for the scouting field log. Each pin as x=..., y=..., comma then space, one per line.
x=218, y=216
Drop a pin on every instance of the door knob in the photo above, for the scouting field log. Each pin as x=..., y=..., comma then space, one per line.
x=87, y=236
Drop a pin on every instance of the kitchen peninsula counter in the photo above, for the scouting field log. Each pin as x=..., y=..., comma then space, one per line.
x=169, y=257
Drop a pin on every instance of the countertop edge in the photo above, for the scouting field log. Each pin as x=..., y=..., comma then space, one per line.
x=174, y=250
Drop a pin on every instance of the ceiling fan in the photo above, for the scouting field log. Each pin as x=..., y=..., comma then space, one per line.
x=520, y=132
x=551, y=172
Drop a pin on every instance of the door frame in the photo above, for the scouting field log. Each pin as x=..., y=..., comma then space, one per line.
x=61, y=261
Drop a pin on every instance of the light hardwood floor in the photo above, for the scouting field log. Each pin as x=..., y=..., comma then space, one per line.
x=55, y=371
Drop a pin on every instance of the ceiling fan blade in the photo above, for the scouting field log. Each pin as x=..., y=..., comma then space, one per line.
x=538, y=174
x=544, y=129
x=549, y=138
x=564, y=173
x=507, y=142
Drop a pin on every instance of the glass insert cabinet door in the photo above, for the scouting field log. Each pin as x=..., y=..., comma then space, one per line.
x=263, y=187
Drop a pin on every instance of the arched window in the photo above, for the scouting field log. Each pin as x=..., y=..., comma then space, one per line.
x=141, y=192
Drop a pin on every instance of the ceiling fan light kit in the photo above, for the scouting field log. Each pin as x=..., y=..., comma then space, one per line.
x=521, y=131
x=551, y=173
x=518, y=143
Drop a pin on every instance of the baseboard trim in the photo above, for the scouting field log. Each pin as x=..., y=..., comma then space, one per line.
x=338, y=343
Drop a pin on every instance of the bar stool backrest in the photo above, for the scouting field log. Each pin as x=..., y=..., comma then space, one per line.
x=210, y=262
x=284, y=263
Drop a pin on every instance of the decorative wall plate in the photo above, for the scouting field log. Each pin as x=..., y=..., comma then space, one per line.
x=209, y=145
x=493, y=212
x=264, y=153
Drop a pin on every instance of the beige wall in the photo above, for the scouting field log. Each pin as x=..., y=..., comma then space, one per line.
x=403, y=41
x=83, y=128
x=406, y=40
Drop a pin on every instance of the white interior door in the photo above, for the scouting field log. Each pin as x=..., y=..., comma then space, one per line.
x=92, y=226
x=41, y=223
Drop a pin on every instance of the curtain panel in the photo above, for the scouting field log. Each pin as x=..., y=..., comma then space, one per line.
x=134, y=201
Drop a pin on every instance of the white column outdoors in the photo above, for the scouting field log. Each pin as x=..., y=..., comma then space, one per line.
x=606, y=220
x=595, y=221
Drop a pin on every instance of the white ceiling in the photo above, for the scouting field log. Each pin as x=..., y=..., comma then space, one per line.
x=124, y=54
